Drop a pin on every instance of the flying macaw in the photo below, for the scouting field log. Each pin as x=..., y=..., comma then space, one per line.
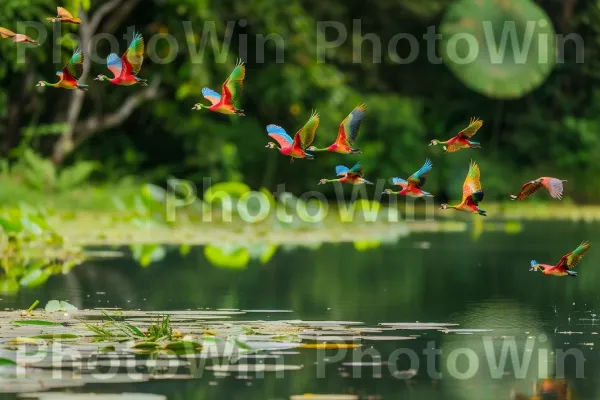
x=295, y=148
x=231, y=90
x=126, y=68
x=69, y=74
x=553, y=185
x=566, y=263
x=353, y=176
x=62, y=15
x=472, y=193
x=461, y=141
x=412, y=187
x=16, y=37
x=347, y=133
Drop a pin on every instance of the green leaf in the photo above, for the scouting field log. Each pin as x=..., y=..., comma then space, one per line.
x=9, y=287
x=493, y=70
x=183, y=345
x=56, y=305
x=6, y=361
x=145, y=345
x=57, y=336
x=35, y=322
x=35, y=278
x=75, y=175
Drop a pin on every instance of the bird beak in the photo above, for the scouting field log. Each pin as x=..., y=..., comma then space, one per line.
x=531, y=269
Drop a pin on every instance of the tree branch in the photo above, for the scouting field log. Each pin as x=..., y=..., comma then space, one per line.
x=87, y=128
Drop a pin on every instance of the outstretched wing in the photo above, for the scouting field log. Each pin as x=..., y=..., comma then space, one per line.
x=280, y=135
x=63, y=13
x=307, y=133
x=472, y=183
x=400, y=182
x=233, y=85
x=570, y=260
x=211, y=96
x=350, y=126
x=75, y=65
x=341, y=170
x=6, y=33
x=472, y=129
x=554, y=186
x=357, y=170
x=134, y=56
x=419, y=178
x=528, y=189
x=114, y=64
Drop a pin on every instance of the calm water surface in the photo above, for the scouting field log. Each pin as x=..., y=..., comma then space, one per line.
x=477, y=283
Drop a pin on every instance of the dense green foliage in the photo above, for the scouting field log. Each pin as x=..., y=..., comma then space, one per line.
x=550, y=131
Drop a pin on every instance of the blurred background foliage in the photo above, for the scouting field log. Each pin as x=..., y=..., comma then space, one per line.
x=539, y=120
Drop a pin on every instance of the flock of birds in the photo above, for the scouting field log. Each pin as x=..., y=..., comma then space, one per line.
x=126, y=68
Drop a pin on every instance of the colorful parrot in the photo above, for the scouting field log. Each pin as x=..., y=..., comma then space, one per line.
x=353, y=176
x=126, y=68
x=472, y=193
x=231, y=90
x=69, y=74
x=461, y=141
x=16, y=37
x=566, y=263
x=62, y=15
x=416, y=181
x=347, y=133
x=295, y=148
x=553, y=185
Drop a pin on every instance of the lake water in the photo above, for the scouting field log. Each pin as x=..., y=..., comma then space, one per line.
x=481, y=283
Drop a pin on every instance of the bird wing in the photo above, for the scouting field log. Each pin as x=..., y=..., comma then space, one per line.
x=472, y=129
x=211, y=96
x=307, y=133
x=419, y=178
x=63, y=13
x=554, y=187
x=20, y=38
x=570, y=260
x=350, y=126
x=280, y=135
x=114, y=64
x=341, y=170
x=472, y=184
x=75, y=65
x=233, y=85
x=6, y=33
x=356, y=170
x=528, y=189
x=400, y=182
x=134, y=56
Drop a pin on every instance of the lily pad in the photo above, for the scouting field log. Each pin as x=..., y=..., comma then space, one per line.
x=477, y=45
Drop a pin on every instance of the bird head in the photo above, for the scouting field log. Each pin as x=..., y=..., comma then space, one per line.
x=387, y=191
x=101, y=78
x=311, y=148
x=443, y=206
x=197, y=106
x=270, y=145
x=322, y=181
x=41, y=83
x=434, y=142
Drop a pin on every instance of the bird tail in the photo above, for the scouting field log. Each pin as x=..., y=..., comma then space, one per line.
x=52, y=19
x=482, y=212
x=355, y=151
x=366, y=182
x=534, y=265
x=475, y=145
x=427, y=194
x=83, y=87
x=142, y=82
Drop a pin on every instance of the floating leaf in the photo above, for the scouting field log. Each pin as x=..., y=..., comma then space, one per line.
x=6, y=361
x=35, y=322
x=57, y=336
x=480, y=59
x=55, y=305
